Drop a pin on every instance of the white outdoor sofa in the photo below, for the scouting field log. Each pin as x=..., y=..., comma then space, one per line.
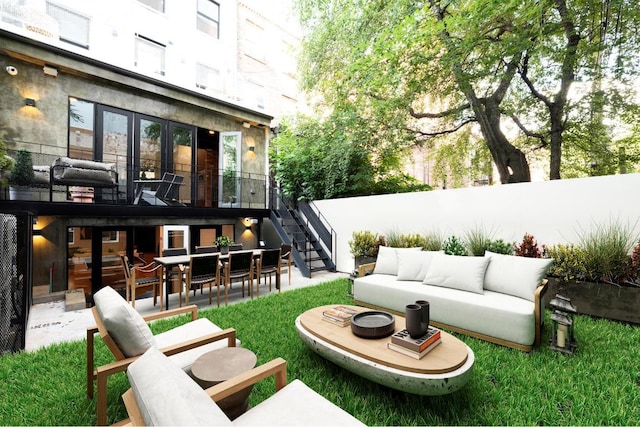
x=497, y=298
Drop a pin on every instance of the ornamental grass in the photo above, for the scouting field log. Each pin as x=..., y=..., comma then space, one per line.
x=598, y=385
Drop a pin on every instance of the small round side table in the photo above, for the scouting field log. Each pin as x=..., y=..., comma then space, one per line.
x=220, y=365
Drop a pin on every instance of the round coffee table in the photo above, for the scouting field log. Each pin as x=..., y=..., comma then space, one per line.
x=220, y=365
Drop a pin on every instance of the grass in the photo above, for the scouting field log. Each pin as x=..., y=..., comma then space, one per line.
x=598, y=385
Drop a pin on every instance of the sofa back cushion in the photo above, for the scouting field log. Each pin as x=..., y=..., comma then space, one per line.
x=387, y=261
x=413, y=265
x=465, y=273
x=515, y=275
x=166, y=395
x=125, y=325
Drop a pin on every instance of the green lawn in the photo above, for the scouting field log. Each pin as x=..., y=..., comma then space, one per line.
x=598, y=385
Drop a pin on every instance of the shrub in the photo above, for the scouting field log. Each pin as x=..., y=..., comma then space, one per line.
x=454, y=246
x=398, y=240
x=433, y=241
x=528, y=247
x=365, y=243
x=634, y=267
x=500, y=247
x=568, y=262
x=223, y=241
x=477, y=240
x=607, y=248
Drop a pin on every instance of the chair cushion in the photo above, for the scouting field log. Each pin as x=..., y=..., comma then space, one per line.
x=167, y=396
x=515, y=275
x=125, y=325
x=188, y=331
x=465, y=273
x=413, y=265
x=296, y=405
x=387, y=260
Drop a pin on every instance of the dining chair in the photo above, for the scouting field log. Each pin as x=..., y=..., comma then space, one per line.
x=200, y=271
x=269, y=264
x=285, y=254
x=173, y=276
x=239, y=265
x=144, y=283
x=235, y=247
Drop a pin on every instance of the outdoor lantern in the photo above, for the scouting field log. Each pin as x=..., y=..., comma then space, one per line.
x=562, y=337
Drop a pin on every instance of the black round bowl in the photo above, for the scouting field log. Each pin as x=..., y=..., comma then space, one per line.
x=373, y=324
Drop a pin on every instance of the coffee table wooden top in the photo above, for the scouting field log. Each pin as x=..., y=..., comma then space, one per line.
x=448, y=356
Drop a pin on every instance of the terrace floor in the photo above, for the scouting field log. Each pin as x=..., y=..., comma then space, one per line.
x=50, y=323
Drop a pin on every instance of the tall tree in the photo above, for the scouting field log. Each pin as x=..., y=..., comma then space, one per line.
x=425, y=69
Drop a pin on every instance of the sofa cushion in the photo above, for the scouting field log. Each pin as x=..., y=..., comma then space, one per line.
x=413, y=265
x=125, y=325
x=167, y=396
x=515, y=275
x=297, y=405
x=465, y=273
x=387, y=260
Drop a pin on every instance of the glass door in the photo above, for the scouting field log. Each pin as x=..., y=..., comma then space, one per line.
x=230, y=169
x=183, y=138
x=114, y=143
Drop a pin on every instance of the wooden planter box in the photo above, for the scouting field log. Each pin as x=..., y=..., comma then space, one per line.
x=599, y=299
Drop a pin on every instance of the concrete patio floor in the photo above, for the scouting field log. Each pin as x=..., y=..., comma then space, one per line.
x=49, y=322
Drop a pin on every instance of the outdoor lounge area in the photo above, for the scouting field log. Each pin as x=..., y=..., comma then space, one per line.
x=597, y=385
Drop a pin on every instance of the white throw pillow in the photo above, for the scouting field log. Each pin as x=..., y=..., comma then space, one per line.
x=465, y=273
x=413, y=265
x=387, y=261
x=515, y=275
x=125, y=325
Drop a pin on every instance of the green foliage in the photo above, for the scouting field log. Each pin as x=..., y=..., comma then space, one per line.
x=528, y=247
x=365, y=243
x=606, y=249
x=454, y=246
x=477, y=239
x=499, y=246
x=433, y=241
x=569, y=262
x=396, y=239
x=22, y=174
x=6, y=163
x=223, y=241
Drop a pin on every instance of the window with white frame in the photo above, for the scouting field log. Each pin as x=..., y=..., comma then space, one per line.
x=154, y=4
x=254, y=41
x=149, y=55
x=208, y=18
x=256, y=93
x=73, y=27
x=208, y=78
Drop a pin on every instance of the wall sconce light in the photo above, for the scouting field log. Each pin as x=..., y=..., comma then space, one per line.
x=246, y=125
x=37, y=232
x=30, y=102
x=248, y=228
x=252, y=148
x=50, y=71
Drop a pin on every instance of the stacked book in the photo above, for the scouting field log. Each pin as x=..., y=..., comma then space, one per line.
x=415, y=347
x=339, y=315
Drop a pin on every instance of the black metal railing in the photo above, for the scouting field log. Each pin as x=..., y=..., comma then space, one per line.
x=204, y=187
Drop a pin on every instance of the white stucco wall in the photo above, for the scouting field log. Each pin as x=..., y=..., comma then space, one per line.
x=553, y=211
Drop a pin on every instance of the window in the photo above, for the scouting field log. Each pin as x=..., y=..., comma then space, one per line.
x=208, y=78
x=208, y=18
x=72, y=27
x=81, y=129
x=149, y=55
x=256, y=93
x=154, y=4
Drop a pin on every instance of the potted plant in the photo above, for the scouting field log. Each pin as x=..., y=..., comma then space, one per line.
x=364, y=246
x=22, y=176
x=223, y=243
x=6, y=166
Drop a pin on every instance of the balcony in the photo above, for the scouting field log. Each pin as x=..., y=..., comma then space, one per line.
x=73, y=180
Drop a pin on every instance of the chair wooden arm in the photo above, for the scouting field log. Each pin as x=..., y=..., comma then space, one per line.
x=366, y=269
x=539, y=310
x=149, y=268
x=193, y=309
x=277, y=367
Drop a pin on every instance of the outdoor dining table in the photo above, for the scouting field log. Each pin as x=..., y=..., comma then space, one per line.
x=169, y=262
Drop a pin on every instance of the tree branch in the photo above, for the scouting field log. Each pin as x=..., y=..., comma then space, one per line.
x=444, y=131
x=525, y=78
x=527, y=132
x=441, y=114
